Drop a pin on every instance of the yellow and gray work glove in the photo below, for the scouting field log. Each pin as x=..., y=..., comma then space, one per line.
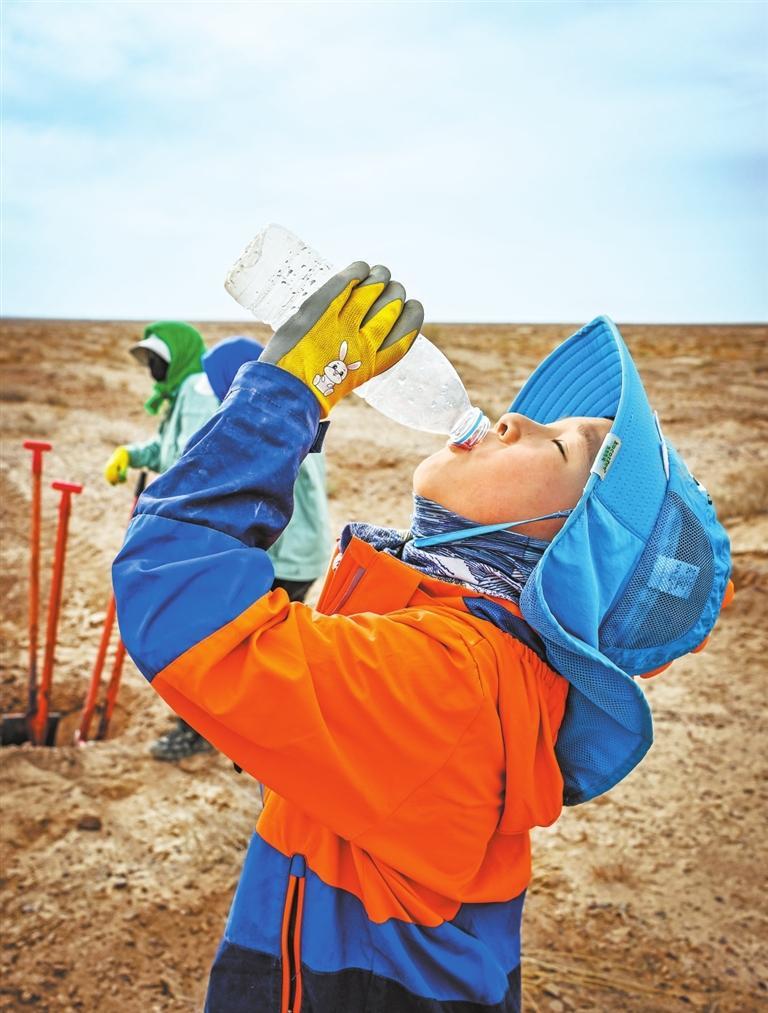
x=353, y=328
x=116, y=468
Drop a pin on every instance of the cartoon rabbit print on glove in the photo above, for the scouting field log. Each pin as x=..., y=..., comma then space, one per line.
x=362, y=313
x=335, y=372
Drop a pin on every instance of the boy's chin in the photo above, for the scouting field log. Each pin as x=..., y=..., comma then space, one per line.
x=433, y=472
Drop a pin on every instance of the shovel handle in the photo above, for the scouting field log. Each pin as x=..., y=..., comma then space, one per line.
x=113, y=688
x=38, y=448
x=98, y=667
x=81, y=735
x=66, y=487
x=39, y=722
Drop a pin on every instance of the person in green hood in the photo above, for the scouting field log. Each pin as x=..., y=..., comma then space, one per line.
x=172, y=351
x=194, y=381
x=182, y=395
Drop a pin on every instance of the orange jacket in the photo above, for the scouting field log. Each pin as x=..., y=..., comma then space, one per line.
x=407, y=745
x=404, y=729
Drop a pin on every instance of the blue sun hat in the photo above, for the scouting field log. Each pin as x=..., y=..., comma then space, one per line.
x=222, y=362
x=637, y=574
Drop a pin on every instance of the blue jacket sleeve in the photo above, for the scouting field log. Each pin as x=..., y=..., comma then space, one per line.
x=194, y=556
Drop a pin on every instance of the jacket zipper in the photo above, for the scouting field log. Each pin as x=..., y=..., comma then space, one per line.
x=345, y=592
x=291, y=938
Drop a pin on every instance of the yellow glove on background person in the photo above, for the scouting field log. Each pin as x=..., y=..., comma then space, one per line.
x=353, y=328
x=116, y=468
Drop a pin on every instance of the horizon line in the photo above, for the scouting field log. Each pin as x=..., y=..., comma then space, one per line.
x=427, y=323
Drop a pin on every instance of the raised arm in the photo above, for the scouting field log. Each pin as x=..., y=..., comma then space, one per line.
x=275, y=685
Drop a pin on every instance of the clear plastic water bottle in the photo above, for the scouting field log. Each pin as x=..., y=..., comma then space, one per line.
x=273, y=277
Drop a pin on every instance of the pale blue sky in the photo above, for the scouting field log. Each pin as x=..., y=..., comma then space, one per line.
x=509, y=161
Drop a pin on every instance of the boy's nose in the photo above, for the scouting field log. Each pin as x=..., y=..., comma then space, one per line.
x=512, y=426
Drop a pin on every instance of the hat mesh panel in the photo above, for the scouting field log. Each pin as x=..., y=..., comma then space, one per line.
x=670, y=587
x=615, y=696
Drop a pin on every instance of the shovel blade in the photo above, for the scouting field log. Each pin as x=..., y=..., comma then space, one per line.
x=14, y=730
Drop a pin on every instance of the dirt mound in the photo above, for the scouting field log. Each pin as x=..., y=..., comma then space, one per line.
x=117, y=871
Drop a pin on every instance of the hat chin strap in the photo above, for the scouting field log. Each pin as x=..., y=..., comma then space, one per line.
x=485, y=529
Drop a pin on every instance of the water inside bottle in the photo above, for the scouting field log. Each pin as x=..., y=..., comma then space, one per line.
x=278, y=271
x=275, y=273
x=401, y=393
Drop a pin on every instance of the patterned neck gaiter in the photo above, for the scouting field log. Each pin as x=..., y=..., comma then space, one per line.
x=496, y=564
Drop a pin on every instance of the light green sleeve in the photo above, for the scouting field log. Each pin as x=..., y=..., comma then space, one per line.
x=196, y=404
x=304, y=548
x=193, y=406
x=145, y=455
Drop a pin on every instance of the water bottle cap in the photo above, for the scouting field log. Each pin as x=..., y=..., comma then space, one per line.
x=471, y=427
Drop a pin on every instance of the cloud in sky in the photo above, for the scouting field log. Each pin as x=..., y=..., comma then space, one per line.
x=538, y=161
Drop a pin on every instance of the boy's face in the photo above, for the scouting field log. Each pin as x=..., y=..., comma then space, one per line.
x=521, y=469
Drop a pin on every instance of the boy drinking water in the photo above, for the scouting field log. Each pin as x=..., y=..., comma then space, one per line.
x=452, y=688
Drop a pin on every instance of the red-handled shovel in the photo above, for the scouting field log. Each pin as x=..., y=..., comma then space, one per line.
x=17, y=728
x=113, y=686
x=98, y=667
x=44, y=729
x=38, y=448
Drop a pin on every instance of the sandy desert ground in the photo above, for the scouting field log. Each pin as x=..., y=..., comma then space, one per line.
x=117, y=871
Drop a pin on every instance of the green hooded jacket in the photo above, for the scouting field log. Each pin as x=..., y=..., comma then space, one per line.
x=191, y=402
